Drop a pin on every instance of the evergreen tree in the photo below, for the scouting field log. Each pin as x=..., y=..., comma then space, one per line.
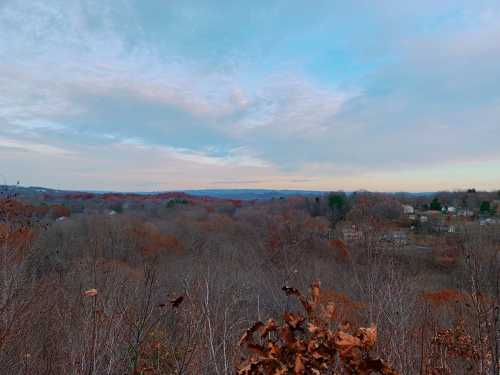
x=485, y=207
x=436, y=205
x=338, y=207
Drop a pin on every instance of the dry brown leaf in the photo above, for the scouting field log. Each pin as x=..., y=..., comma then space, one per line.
x=312, y=328
x=299, y=365
x=280, y=371
x=293, y=320
x=286, y=335
x=248, y=335
x=314, y=350
x=345, y=341
x=345, y=326
x=315, y=292
x=256, y=348
x=368, y=336
x=329, y=311
x=273, y=349
x=176, y=301
x=270, y=326
x=90, y=293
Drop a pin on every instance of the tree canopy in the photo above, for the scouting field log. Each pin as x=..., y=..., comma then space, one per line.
x=485, y=207
x=436, y=205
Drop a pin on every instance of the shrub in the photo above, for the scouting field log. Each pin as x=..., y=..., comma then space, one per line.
x=305, y=343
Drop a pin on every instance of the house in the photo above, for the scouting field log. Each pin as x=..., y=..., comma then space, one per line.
x=466, y=212
x=440, y=227
x=452, y=210
x=408, y=210
x=352, y=234
x=397, y=237
x=488, y=221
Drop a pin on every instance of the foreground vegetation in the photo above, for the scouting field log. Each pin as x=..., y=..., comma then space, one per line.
x=174, y=285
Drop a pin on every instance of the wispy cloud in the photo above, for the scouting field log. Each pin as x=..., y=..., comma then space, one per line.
x=284, y=92
x=35, y=148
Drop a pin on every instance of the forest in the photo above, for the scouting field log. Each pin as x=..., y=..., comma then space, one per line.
x=176, y=284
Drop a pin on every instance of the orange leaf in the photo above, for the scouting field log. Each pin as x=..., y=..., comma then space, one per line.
x=299, y=365
x=269, y=327
x=293, y=320
x=368, y=335
x=315, y=292
x=345, y=341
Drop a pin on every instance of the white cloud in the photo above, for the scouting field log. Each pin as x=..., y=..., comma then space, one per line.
x=239, y=157
x=60, y=61
x=36, y=148
x=289, y=105
x=54, y=57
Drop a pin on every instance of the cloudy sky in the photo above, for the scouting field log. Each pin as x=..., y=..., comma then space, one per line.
x=164, y=94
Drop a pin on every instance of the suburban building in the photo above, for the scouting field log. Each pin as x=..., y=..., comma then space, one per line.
x=408, y=210
x=398, y=237
x=487, y=221
x=352, y=233
x=466, y=212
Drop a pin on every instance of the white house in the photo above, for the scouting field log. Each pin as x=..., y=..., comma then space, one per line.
x=452, y=210
x=488, y=221
x=466, y=212
x=408, y=210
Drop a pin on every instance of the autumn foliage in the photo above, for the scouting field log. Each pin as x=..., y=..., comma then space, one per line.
x=306, y=343
x=170, y=284
x=17, y=221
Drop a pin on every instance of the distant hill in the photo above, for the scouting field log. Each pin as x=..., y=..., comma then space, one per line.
x=232, y=194
x=241, y=194
x=250, y=194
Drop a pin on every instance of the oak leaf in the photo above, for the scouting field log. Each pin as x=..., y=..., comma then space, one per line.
x=368, y=336
x=299, y=367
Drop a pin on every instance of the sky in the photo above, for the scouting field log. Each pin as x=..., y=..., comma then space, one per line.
x=134, y=95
